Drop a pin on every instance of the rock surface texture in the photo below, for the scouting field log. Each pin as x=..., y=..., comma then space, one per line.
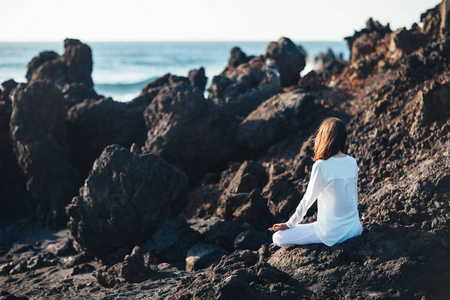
x=38, y=132
x=125, y=198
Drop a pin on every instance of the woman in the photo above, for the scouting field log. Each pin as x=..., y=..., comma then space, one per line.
x=333, y=182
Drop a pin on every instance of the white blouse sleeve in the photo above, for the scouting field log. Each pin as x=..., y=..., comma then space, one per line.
x=315, y=187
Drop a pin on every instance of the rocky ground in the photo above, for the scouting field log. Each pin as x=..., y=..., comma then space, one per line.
x=179, y=190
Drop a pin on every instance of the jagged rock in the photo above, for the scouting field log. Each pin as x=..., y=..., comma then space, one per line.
x=275, y=119
x=83, y=269
x=241, y=202
x=215, y=231
x=243, y=88
x=197, y=78
x=323, y=58
x=326, y=65
x=189, y=131
x=433, y=104
x=282, y=195
x=63, y=247
x=71, y=72
x=288, y=59
x=125, y=198
x=172, y=240
x=153, y=87
x=237, y=57
x=94, y=124
x=375, y=30
x=251, y=175
x=240, y=276
x=436, y=20
x=405, y=41
x=132, y=269
x=250, y=240
x=12, y=182
x=39, y=134
x=386, y=261
x=8, y=86
x=244, y=208
x=202, y=255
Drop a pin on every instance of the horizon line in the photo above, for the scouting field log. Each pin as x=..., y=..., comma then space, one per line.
x=164, y=41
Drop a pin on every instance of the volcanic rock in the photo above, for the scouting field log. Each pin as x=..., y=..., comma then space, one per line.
x=71, y=72
x=237, y=57
x=94, y=124
x=172, y=241
x=405, y=41
x=244, y=87
x=434, y=104
x=240, y=276
x=197, y=78
x=39, y=134
x=12, y=182
x=125, y=198
x=275, y=119
x=8, y=86
x=288, y=59
x=132, y=269
x=189, y=131
x=250, y=240
x=375, y=30
x=282, y=195
x=323, y=58
x=202, y=255
x=389, y=261
x=154, y=87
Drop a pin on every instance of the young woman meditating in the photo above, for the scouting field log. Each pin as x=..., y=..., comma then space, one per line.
x=334, y=180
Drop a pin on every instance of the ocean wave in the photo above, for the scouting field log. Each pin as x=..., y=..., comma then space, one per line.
x=125, y=85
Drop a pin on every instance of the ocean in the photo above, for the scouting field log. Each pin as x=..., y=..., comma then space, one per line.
x=122, y=69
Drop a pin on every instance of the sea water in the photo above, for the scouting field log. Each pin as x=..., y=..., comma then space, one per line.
x=122, y=69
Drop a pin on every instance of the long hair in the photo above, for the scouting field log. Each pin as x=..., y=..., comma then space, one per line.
x=330, y=138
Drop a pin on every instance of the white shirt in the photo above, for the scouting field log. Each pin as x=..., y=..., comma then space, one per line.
x=334, y=184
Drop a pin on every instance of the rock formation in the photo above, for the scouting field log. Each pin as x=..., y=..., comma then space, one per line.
x=94, y=124
x=275, y=119
x=189, y=131
x=71, y=72
x=290, y=61
x=124, y=198
x=39, y=134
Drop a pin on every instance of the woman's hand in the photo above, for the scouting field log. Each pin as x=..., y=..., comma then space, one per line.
x=277, y=227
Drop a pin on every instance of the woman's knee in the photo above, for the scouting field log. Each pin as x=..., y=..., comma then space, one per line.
x=276, y=238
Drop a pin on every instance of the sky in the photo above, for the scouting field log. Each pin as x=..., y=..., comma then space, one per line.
x=199, y=20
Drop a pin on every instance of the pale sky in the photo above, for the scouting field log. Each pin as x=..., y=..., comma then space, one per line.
x=199, y=20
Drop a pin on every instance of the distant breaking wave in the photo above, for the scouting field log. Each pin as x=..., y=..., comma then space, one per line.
x=122, y=91
x=125, y=85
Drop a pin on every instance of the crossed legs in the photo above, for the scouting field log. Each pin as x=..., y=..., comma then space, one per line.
x=302, y=234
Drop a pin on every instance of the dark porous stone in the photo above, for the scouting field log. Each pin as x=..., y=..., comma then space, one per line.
x=38, y=131
x=94, y=124
x=125, y=198
x=172, y=240
x=237, y=57
x=203, y=255
x=75, y=65
x=198, y=78
x=189, y=131
x=290, y=61
x=275, y=119
x=83, y=269
x=250, y=240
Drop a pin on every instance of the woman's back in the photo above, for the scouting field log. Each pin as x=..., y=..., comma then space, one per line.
x=337, y=204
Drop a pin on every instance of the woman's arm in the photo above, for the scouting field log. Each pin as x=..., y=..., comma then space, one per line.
x=315, y=186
